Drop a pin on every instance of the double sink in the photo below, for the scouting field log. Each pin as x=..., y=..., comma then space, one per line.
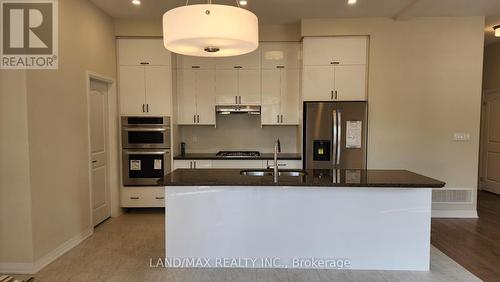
x=261, y=173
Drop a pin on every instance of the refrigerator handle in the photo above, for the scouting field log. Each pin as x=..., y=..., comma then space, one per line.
x=339, y=135
x=334, y=139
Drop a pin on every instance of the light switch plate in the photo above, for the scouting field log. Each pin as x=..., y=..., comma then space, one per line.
x=461, y=136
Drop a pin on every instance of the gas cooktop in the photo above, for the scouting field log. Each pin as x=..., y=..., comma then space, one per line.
x=238, y=154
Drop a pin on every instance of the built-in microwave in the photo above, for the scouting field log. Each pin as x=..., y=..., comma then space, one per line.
x=145, y=132
x=144, y=167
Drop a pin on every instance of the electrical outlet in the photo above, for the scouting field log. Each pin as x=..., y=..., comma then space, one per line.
x=461, y=136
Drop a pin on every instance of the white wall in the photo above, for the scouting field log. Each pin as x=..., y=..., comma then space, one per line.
x=16, y=244
x=424, y=84
x=44, y=160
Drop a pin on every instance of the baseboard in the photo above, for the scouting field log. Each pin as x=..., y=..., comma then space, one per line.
x=454, y=214
x=32, y=268
x=16, y=268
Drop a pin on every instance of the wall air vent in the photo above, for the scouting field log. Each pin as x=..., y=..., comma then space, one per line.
x=452, y=196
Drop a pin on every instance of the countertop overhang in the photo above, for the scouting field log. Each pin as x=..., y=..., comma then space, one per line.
x=313, y=178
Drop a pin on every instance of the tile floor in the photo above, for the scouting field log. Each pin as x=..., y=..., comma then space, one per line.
x=121, y=248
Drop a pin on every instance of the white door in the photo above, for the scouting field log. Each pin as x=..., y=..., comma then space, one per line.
x=490, y=172
x=226, y=86
x=158, y=90
x=249, y=86
x=186, y=96
x=318, y=83
x=290, y=96
x=132, y=90
x=271, y=96
x=205, y=97
x=350, y=82
x=98, y=105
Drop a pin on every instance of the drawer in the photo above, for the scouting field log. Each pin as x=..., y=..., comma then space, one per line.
x=238, y=164
x=142, y=197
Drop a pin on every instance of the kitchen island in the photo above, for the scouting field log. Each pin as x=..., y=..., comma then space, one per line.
x=332, y=219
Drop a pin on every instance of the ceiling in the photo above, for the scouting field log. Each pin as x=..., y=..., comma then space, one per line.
x=289, y=11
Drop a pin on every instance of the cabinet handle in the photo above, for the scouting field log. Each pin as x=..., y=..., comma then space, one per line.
x=195, y=67
x=144, y=63
x=238, y=67
x=334, y=63
x=240, y=100
x=198, y=118
x=194, y=118
x=159, y=198
x=190, y=164
x=331, y=95
x=236, y=99
x=336, y=94
x=134, y=198
x=281, y=118
x=194, y=162
x=280, y=67
x=278, y=118
x=143, y=108
x=147, y=108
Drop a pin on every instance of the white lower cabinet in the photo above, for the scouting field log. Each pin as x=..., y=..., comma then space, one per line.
x=238, y=164
x=142, y=197
x=192, y=164
x=285, y=164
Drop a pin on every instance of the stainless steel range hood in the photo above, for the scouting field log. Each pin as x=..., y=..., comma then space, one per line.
x=237, y=109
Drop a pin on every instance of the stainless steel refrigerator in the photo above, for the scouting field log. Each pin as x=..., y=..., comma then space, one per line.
x=335, y=135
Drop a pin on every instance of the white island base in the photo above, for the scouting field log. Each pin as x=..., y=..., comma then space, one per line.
x=299, y=227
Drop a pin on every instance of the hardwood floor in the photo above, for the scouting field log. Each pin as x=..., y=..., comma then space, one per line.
x=473, y=243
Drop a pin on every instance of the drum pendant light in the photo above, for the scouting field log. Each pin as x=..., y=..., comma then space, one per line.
x=210, y=30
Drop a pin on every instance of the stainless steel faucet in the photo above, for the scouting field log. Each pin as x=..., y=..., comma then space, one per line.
x=277, y=149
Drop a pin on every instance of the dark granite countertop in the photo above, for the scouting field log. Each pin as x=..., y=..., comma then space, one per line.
x=313, y=178
x=212, y=156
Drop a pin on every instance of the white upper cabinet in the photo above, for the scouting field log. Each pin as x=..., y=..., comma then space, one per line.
x=318, y=83
x=246, y=61
x=145, y=77
x=249, y=86
x=195, y=97
x=350, y=83
x=238, y=86
x=342, y=50
x=280, y=96
x=192, y=62
x=158, y=84
x=286, y=55
x=335, y=68
x=133, y=52
x=226, y=86
x=132, y=90
x=145, y=90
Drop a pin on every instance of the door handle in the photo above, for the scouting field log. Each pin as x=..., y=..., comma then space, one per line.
x=334, y=139
x=339, y=140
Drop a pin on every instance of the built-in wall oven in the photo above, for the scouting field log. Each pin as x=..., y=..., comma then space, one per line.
x=145, y=150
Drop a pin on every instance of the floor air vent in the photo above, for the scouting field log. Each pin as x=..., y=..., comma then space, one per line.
x=452, y=196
